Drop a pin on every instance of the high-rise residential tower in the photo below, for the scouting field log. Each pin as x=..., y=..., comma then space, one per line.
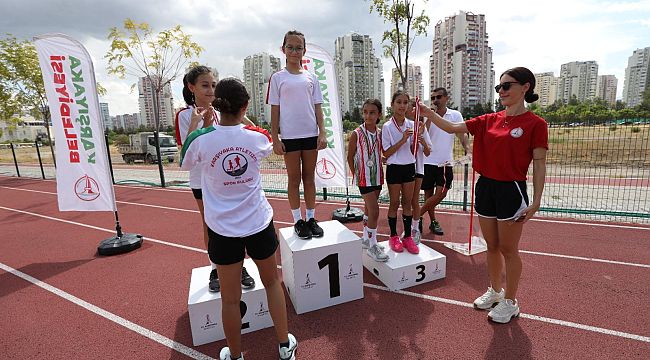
x=358, y=71
x=462, y=60
x=165, y=104
x=579, y=79
x=258, y=69
x=546, y=88
x=106, y=117
x=637, y=77
x=606, y=88
x=414, y=86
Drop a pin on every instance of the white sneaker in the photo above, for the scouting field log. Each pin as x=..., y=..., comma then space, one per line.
x=225, y=354
x=365, y=244
x=504, y=311
x=290, y=352
x=416, y=235
x=377, y=253
x=489, y=299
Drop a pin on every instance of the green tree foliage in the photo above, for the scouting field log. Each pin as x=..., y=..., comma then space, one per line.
x=356, y=116
x=159, y=57
x=405, y=26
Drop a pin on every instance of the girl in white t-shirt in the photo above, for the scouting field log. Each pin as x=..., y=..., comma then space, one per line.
x=237, y=213
x=297, y=118
x=396, y=141
x=198, y=91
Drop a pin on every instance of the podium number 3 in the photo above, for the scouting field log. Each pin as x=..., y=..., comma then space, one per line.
x=332, y=261
x=420, y=272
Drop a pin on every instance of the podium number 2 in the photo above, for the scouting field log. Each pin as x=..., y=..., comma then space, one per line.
x=420, y=272
x=332, y=261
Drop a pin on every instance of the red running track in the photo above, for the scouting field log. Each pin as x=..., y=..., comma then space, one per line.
x=591, y=303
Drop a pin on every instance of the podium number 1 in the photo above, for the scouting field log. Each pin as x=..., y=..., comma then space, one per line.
x=332, y=261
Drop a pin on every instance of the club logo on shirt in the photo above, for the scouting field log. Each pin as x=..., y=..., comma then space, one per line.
x=234, y=164
x=516, y=132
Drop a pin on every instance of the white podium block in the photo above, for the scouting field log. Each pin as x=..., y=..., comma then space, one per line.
x=204, y=307
x=404, y=269
x=322, y=272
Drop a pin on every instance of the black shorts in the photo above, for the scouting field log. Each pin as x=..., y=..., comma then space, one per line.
x=503, y=200
x=225, y=250
x=198, y=194
x=437, y=176
x=368, y=189
x=419, y=176
x=400, y=174
x=310, y=143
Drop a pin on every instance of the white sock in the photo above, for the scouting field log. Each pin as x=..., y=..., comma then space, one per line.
x=296, y=214
x=415, y=225
x=365, y=233
x=310, y=213
x=372, y=237
x=214, y=266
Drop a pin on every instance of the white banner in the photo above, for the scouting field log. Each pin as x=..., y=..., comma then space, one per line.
x=83, y=177
x=331, y=165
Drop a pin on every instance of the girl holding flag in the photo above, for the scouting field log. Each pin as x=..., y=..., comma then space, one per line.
x=364, y=160
x=399, y=148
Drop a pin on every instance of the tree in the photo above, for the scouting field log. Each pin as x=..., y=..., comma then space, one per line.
x=159, y=58
x=356, y=116
x=645, y=101
x=21, y=79
x=405, y=26
x=498, y=106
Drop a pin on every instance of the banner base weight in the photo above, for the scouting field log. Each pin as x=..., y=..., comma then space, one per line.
x=347, y=214
x=119, y=245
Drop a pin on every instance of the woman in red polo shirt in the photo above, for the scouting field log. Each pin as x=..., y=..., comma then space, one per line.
x=505, y=143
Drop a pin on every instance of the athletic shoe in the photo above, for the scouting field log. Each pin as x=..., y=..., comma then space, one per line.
x=289, y=353
x=365, y=244
x=435, y=228
x=504, y=311
x=377, y=253
x=225, y=354
x=489, y=299
x=302, y=229
x=213, y=285
x=395, y=244
x=247, y=282
x=410, y=246
x=417, y=236
x=316, y=231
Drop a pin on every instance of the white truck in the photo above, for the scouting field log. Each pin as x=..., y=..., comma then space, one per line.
x=142, y=147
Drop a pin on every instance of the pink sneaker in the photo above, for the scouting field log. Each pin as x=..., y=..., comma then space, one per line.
x=395, y=244
x=410, y=246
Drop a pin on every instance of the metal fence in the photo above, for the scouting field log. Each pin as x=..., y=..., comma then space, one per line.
x=599, y=172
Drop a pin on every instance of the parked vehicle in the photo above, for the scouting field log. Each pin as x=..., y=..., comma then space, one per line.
x=142, y=147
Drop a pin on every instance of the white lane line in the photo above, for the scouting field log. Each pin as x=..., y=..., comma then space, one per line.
x=421, y=296
x=543, y=319
x=165, y=341
x=455, y=213
x=162, y=242
x=605, y=261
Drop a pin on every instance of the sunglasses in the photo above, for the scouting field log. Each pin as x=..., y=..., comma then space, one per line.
x=505, y=86
x=437, y=97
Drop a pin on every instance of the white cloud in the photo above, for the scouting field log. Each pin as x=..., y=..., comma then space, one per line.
x=538, y=35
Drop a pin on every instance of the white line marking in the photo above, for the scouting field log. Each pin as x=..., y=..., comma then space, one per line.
x=568, y=222
x=605, y=261
x=547, y=320
x=422, y=296
x=165, y=341
x=162, y=242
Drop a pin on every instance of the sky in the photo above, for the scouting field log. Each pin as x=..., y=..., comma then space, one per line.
x=540, y=35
